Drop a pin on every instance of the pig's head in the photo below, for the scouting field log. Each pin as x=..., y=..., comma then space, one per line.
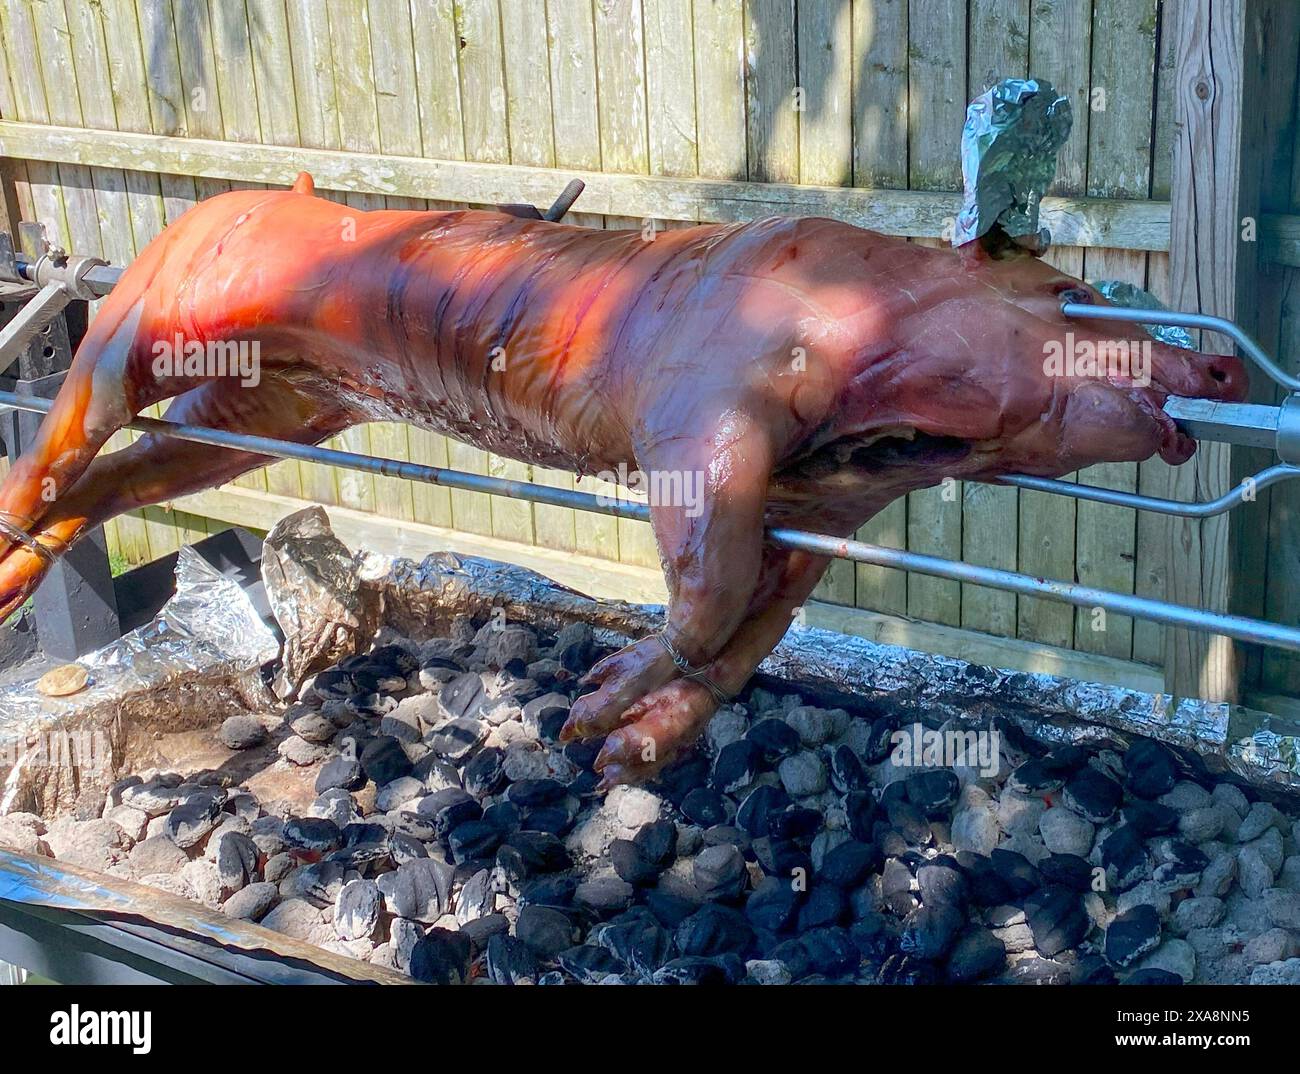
x=984, y=375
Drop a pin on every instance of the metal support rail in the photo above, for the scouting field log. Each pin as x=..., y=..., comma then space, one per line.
x=1233, y=626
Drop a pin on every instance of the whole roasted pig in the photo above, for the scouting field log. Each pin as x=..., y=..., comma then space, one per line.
x=796, y=372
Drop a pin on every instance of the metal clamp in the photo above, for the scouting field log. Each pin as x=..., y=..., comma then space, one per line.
x=56, y=268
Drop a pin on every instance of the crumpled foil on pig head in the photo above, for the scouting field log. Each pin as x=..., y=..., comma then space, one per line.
x=1008, y=158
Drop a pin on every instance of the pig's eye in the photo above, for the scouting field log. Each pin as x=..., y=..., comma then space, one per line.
x=1074, y=294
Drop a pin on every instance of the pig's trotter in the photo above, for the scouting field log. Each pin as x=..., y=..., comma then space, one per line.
x=623, y=676
x=659, y=726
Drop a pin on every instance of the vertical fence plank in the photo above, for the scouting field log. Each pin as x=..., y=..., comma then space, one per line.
x=1269, y=148
x=392, y=48
x=150, y=97
x=240, y=121
x=129, y=85
x=670, y=87
x=621, y=88
x=85, y=41
x=358, y=130
x=90, y=61
x=720, y=89
x=624, y=147
x=999, y=48
x=880, y=160
x=272, y=71
x=200, y=98
x=823, y=110
x=999, y=43
x=232, y=55
x=1119, y=166
x=130, y=215
x=437, y=88
x=166, y=93
x=1154, y=475
x=530, y=140
x=57, y=71
x=315, y=109
x=575, y=114
x=880, y=80
x=184, y=28
x=937, y=49
x=482, y=93
x=670, y=93
x=487, y=137
x=1280, y=672
x=272, y=77
x=527, y=72
x=771, y=75
x=1211, y=272
x=1060, y=45
x=108, y=51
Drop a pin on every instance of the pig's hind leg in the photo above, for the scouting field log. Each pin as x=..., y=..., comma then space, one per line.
x=157, y=468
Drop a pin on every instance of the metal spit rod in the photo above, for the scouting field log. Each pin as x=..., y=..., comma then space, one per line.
x=1233, y=626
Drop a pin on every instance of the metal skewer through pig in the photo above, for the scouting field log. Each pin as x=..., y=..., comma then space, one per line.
x=805, y=372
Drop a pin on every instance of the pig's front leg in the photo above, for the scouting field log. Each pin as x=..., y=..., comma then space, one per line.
x=712, y=551
x=659, y=725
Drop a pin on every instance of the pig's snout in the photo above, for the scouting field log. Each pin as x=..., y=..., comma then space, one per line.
x=1199, y=376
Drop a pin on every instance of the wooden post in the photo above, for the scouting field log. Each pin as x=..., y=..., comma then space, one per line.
x=1215, y=186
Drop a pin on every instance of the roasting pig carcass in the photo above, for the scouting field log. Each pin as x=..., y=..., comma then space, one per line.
x=803, y=371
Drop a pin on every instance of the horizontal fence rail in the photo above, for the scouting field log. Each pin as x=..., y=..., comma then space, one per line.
x=1115, y=223
x=1082, y=596
x=1111, y=223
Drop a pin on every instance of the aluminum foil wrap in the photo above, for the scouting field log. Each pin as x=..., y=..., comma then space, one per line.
x=315, y=595
x=197, y=660
x=1008, y=157
x=1133, y=297
x=209, y=619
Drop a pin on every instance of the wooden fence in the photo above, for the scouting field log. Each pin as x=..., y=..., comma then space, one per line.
x=117, y=115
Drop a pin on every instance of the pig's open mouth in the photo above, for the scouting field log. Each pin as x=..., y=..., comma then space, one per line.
x=879, y=452
x=911, y=448
x=907, y=448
